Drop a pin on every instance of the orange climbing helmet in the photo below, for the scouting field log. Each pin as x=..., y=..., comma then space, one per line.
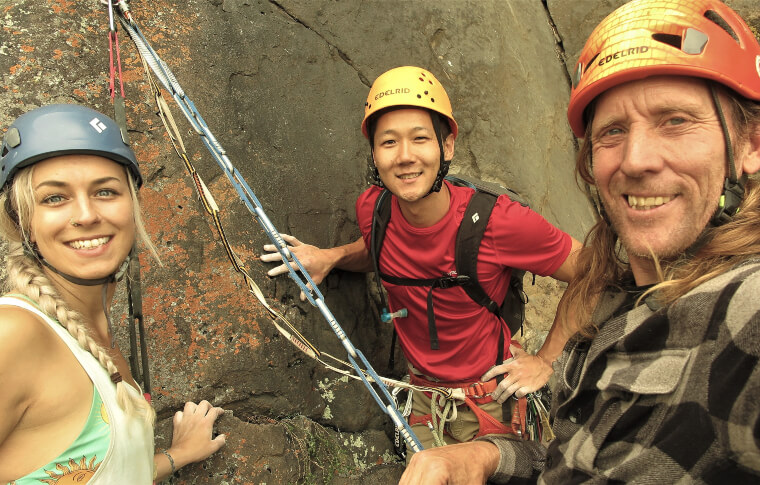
x=408, y=86
x=698, y=38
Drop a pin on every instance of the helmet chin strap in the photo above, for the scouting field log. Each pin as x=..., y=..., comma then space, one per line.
x=443, y=166
x=112, y=278
x=733, y=186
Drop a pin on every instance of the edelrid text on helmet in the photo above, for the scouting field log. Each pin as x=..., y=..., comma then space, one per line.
x=391, y=92
x=63, y=129
x=408, y=86
x=698, y=38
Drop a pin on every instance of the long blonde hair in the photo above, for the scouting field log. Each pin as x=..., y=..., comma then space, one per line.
x=603, y=262
x=26, y=276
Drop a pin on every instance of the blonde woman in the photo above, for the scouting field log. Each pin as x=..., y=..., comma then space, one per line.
x=69, y=405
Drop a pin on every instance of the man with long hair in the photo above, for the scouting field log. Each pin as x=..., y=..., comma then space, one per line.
x=660, y=382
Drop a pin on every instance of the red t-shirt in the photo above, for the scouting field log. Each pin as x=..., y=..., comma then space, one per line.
x=468, y=333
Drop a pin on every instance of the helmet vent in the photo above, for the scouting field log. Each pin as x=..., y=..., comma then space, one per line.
x=669, y=39
x=715, y=18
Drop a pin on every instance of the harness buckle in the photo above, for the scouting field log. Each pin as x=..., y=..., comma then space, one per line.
x=476, y=390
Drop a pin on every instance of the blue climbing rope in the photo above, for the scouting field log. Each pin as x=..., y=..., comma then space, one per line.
x=294, y=266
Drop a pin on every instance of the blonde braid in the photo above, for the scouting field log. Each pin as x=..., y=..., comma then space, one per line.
x=27, y=277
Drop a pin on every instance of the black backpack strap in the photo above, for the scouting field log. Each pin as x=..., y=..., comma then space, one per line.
x=470, y=234
x=512, y=309
x=469, y=237
x=380, y=217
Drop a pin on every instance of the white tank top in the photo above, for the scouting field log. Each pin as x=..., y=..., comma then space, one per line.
x=130, y=454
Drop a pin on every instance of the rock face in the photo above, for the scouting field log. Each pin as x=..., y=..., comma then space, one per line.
x=282, y=86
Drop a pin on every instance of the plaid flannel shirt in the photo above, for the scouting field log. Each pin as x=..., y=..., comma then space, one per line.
x=665, y=396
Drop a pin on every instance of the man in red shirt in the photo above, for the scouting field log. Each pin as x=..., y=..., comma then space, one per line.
x=409, y=123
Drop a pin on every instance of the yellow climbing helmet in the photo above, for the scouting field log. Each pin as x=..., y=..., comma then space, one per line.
x=408, y=86
x=698, y=38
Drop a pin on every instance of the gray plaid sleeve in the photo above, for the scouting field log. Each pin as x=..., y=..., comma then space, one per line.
x=520, y=461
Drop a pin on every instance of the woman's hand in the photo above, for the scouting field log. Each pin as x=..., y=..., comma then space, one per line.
x=192, y=436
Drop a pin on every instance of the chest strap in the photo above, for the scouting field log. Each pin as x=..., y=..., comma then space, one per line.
x=443, y=282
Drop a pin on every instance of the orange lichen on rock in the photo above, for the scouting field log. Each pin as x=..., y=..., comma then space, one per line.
x=63, y=6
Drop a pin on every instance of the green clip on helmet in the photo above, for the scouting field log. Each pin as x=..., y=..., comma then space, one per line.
x=63, y=129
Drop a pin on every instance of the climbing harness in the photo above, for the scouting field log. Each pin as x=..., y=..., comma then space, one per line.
x=529, y=420
x=167, y=80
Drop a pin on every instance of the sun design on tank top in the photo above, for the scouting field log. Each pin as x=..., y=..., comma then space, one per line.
x=73, y=474
x=104, y=414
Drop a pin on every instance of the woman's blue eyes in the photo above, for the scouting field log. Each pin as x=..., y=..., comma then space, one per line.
x=52, y=199
x=58, y=198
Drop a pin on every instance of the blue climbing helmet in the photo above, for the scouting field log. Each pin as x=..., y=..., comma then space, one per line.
x=63, y=129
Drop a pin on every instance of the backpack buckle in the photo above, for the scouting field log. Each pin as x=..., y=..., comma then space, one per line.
x=451, y=281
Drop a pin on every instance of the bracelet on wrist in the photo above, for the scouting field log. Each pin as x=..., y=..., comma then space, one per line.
x=171, y=461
